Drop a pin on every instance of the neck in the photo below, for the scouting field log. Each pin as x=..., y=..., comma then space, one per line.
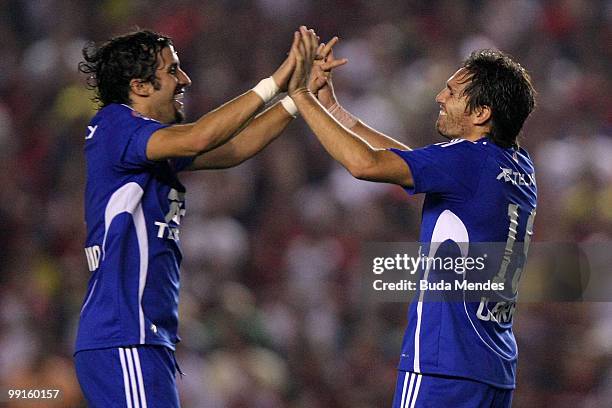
x=476, y=133
x=143, y=108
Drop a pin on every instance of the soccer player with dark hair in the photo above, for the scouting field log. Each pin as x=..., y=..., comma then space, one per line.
x=479, y=188
x=134, y=203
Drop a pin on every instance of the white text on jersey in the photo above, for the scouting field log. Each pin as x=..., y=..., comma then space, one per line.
x=172, y=232
x=516, y=178
x=92, y=130
x=93, y=257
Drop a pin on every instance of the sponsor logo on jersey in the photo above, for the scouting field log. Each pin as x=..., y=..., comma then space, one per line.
x=92, y=130
x=169, y=228
x=516, y=178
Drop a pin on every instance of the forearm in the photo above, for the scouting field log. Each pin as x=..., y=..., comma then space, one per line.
x=346, y=147
x=221, y=124
x=259, y=133
x=208, y=132
x=372, y=136
x=375, y=138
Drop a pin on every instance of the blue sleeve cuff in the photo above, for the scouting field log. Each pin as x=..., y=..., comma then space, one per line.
x=405, y=155
x=135, y=154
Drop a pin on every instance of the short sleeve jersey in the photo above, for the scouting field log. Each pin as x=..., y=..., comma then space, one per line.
x=133, y=210
x=475, y=192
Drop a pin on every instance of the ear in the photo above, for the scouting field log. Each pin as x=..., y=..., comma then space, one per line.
x=481, y=115
x=141, y=88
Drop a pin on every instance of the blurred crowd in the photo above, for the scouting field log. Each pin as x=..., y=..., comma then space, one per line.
x=272, y=312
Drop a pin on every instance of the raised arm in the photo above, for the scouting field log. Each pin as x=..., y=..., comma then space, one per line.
x=359, y=157
x=259, y=133
x=220, y=125
x=321, y=79
x=208, y=132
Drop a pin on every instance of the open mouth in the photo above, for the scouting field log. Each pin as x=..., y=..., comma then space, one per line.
x=178, y=97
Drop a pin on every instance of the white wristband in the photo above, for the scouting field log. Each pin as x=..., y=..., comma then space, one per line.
x=289, y=106
x=346, y=119
x=266, y=89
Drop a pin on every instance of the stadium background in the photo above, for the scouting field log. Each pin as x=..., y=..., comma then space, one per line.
x=271, y=312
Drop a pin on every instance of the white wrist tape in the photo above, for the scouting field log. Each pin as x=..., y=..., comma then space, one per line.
x=346, y=119
x=266, y=89
x=289, y=106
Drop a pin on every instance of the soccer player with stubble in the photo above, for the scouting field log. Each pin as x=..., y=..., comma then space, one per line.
x=134, y=204
x=479, y=188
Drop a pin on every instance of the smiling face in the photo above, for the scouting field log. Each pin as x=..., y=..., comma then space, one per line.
x=165, y=102
x=454, y=120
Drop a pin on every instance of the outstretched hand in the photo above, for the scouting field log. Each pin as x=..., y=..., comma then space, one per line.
x=283, y=73
x=321, y=76
x=305, y=52
x=323, y=65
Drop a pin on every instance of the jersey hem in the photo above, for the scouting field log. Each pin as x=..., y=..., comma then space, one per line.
x=123, y=343
x=460, y=375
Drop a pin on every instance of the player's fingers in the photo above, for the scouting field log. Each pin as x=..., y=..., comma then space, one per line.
x=322, y=79
x=306, y=49
x=320, y=48
x=303, y=38
x=315, y=41
x=319, y=56
x=328, y=66
x=302, y=50
x=320, y=82
x=299, y=61
x=295, y=47
x=296, y=40
x=328, y=47
x=311, y=41
x=306, y=40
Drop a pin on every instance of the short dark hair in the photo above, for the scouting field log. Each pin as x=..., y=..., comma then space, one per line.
x=502, y=84
x=112, y=65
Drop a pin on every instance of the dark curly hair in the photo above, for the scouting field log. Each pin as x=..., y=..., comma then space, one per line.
x=502, y=84
x=112, y=65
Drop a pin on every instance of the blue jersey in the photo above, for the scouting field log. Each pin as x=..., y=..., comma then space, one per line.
x=476, y=192
x=133, y=209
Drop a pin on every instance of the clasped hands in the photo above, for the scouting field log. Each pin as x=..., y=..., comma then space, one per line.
x=308, y=67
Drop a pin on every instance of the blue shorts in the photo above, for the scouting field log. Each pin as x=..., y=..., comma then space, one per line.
x=132, y=377
x=428, y=391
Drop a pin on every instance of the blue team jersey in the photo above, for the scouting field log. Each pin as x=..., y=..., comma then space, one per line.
x=133, y=209
x=476, y=192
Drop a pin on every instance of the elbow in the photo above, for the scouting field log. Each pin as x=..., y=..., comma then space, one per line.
x=205, y=138
x=188, y=141
x=201, y=143
x=363, y=168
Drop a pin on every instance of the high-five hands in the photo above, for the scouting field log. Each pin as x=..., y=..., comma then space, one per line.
x=283, y=73
x=320, y=76
x=305, y=52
